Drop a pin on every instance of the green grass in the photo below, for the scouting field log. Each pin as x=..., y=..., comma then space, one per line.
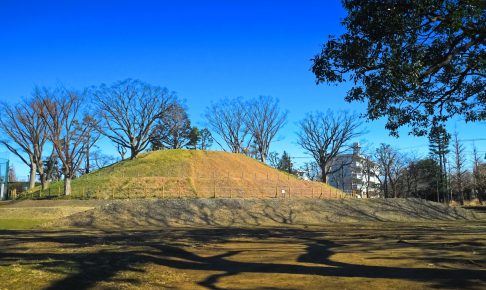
x=20, y=224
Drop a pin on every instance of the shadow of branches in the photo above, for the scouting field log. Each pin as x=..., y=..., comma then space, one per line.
x=88, y=257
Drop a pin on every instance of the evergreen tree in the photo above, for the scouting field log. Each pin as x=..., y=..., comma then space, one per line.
x=206, y=139
x=285, y=163
x=194, y=138
x=172, y=130
x=439, y=148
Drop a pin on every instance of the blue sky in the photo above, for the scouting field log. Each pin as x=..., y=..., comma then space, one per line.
x=203, y=50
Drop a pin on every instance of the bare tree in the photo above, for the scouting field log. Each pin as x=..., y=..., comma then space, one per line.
x=476, y=172
x=91, y=139
x=128, y=110
x=100, y=160
x=68, y=130
x=459, y=166
x=12, y=177
x=26, y=135
x=311, y=171
x=391, y=164
x=370, y=171
x=326, y=135
x=122, y=151
x=263, y=120
x=227, y=118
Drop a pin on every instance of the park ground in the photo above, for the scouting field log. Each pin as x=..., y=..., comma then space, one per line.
x=436, y=254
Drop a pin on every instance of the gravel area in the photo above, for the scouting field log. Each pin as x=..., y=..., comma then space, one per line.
x=259, y=212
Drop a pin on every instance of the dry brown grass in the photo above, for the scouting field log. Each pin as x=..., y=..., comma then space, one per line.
x=190, y=173
x=344, y=256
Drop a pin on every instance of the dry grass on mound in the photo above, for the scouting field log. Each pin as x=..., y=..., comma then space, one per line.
x=190, y=173
x=260, y=212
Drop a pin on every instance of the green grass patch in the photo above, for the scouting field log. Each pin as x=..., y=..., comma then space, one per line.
x=20, y=224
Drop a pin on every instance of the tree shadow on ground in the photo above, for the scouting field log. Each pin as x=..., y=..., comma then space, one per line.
x=132, y=250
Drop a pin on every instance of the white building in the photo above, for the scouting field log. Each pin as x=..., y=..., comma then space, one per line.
x=354, y=174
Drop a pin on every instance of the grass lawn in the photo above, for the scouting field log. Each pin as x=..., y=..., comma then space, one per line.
x=345, y=256
x=20, y=224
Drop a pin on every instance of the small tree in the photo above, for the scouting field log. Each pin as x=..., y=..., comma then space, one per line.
x=194, y=138
x=12, y=177
x=273, y=159
x=67, y=128
x=479, y=175
x=206, y=139
x=173, y=129
x=52, y=169
x=285, y=163
x=459, y=164
x=311, y=171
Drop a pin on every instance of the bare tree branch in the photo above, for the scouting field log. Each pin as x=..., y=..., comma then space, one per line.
x=67, y=128
x=24, y=128
x=128, y=110
x=263, y=120
x=227, y=118
x=326, y=135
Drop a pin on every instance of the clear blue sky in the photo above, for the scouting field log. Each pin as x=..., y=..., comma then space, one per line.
x=203, y=50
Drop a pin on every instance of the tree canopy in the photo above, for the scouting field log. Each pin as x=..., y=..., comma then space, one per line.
x=417, y=62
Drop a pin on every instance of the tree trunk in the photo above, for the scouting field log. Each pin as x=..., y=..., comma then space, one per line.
x=133, y=153
x=33, y=172
x=44, y=181
x=67, y=186
x=323, y=173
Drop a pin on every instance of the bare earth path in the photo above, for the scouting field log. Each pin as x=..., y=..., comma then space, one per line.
x=376, y=255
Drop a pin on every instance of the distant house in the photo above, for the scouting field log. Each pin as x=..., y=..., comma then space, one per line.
x=355, y=174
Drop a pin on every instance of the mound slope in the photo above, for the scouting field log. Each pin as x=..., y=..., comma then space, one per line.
x=193, y=173
x=260, y=212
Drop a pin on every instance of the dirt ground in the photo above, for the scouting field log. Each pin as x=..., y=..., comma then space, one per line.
x=375, y=255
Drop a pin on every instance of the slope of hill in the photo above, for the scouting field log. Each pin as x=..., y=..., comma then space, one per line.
x=191, y=173
x=260, y=212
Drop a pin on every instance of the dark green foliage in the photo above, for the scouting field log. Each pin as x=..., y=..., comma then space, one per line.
x=439, y=141
x=417, y=62
x=427, y=179
x=285, y=163
x=172, y=130
x=194, y=138
x=206, y=139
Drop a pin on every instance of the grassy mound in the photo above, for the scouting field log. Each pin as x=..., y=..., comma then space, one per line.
x=190, y=173
x=260, y=212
